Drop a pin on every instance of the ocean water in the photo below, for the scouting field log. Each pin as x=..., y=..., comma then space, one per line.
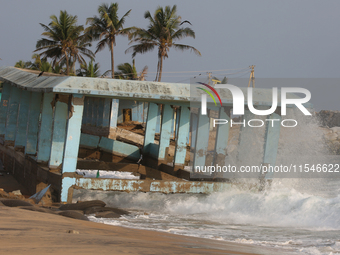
x=297, y=215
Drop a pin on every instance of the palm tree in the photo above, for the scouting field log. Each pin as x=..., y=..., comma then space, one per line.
x=129, y=72
x=22, y=64
x=163, y=30
x=90, y=70
x=65, y=40
x=106, y=27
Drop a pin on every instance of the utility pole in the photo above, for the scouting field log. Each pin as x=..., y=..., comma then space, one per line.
x=209, y=77
x=251, y=77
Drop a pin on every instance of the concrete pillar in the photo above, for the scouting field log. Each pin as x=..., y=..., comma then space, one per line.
x=150, y=129
x=167, y=117
x=158, y=124
x=90, y=111
x=94, y=111
x=114, y=113
x=59, y=131
x=100, y=110
x=106, y=112
x=251, y=140
x=145, y=111
x=272, y=142
x=45, y=132
x=222, y=135
x=134, y=111
x=182, y=135
x=86, y=111
x=193, y=127
x=6, y=92
x=12, y=115
x=140, y=109
x=73, y=131
x=33, y=120
x=202, y=139
x=20, y=137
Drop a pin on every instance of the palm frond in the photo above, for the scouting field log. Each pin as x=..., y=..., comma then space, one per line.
x=186, y=47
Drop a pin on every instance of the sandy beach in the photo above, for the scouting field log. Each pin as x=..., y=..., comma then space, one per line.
x=28, y=232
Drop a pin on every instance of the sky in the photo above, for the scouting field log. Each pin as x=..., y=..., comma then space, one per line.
x=284, y=39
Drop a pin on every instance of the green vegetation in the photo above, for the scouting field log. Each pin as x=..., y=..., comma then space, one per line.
x=164, y=29
x=106, y=27
x=89, y=70
x=128, y=72
x=65, y=43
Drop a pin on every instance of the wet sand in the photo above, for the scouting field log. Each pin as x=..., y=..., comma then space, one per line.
x=29, y=232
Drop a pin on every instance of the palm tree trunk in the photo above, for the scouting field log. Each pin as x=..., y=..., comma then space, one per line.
x=157, y=70
x=112, y=62
x=67, y=64
x=160, y=69
x=74, y=66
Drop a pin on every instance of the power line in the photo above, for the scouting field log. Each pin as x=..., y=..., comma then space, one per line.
x=204, y=71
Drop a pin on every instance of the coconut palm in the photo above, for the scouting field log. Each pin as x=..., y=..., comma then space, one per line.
x=22, y=64
x=164, y=29
x=65, y=41
x=89, y=70
x=129, y=72
x=106, y=27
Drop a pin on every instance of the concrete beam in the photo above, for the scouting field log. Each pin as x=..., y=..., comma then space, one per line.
x=119, y=148
x=151, y=186
x=148, y=172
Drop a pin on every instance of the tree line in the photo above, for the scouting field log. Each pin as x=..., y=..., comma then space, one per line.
x=66, y=43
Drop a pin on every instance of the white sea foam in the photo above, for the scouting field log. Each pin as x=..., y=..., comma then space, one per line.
x=298, y=215
x=107, y=174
